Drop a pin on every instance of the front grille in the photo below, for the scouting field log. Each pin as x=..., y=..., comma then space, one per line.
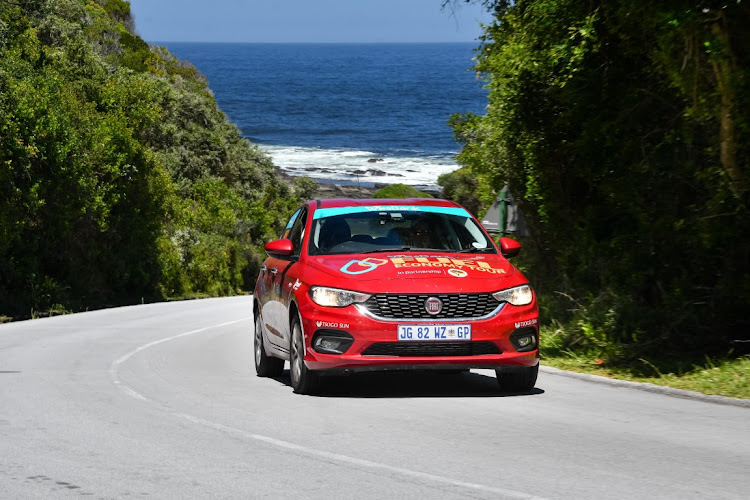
x=412, y=306
x=427, y=349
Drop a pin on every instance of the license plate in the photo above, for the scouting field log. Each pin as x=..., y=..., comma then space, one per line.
x=408, y=333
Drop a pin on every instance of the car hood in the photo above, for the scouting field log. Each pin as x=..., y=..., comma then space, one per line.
x=412, y=266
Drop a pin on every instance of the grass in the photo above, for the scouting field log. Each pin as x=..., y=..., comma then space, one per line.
x=55, y=310
x=718, y=376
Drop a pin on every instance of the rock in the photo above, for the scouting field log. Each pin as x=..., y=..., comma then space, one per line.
x=374, y=160
x=329, y=190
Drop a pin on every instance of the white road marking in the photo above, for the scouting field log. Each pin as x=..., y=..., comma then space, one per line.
x=336, y=457
x=116, y=364
x=344, y=459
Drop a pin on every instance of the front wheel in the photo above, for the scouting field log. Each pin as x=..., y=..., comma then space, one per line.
x=517, y=379
x=304, y=381
x=265, y=365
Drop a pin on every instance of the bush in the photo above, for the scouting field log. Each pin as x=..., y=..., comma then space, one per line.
x=400, y=191
x=462, y=187
x=305, y=188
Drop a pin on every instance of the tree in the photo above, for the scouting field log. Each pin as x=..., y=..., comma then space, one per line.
x=120, y=179
x=622, y=126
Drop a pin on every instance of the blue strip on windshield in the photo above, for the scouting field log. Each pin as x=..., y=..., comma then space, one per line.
x=322, y=213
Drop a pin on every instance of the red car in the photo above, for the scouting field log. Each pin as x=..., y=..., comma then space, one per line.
x=360, y=285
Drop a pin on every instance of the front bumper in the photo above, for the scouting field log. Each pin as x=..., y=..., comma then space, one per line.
x=490, y=334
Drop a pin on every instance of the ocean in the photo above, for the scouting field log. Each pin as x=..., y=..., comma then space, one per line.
x=351, y=113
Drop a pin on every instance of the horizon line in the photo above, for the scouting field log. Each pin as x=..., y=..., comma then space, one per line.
x=153, y=42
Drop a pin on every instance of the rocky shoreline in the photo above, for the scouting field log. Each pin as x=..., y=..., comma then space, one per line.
x=329, y=190
x=333, y=189
x=342, y=188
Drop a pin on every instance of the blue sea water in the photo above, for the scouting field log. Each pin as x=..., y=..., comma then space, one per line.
x=374, y=112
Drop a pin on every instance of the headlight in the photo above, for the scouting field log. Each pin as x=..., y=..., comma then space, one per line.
x=333, y=297
x=518, y=296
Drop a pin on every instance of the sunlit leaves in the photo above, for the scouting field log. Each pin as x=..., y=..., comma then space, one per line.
x=119, y=176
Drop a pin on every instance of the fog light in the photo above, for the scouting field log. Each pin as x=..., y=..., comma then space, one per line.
x=332, y=341
x=328, y=343
x=524, y=339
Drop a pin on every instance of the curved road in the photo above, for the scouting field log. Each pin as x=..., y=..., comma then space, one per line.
x=161, y=401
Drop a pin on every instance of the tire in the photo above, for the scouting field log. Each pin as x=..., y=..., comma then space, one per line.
x=265, y=365
x=518, y=379
x=304, y=381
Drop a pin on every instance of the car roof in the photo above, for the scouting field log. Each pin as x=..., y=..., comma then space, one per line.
x=346, y=202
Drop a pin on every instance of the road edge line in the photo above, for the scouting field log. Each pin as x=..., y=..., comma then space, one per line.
x=359, y=462
x=115, y=366
x=339, y=458
x=644, y=386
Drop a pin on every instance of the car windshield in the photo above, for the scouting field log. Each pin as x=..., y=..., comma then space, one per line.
x=373, y=229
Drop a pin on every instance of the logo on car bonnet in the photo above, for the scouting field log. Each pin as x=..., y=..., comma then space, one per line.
x=458, y=273
x=433, y=305
x=362, y=266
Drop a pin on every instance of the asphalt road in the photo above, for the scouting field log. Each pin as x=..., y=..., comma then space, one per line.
x=161, y=401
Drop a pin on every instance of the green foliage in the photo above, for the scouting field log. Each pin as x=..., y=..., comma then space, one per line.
x=305, y=188
x=621, y=129
x=400, y=191
x=119, y=176
x=463, y=187
x=723, y=376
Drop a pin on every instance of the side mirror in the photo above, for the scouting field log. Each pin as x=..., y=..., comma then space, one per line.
x=280, y=248
x=509, y=247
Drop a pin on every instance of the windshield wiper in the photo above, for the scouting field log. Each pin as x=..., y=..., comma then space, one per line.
x=442, y=250
x=475, y=250
x=408, y=249
x=381, y=250
x=416, y=249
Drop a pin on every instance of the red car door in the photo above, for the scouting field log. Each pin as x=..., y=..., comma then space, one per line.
x=279, y=284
